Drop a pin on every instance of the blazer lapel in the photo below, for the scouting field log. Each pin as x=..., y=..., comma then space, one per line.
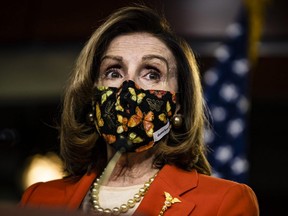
x=174, y=181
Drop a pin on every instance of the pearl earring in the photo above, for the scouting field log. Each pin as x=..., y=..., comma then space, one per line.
x=177, y=121
x=90, y=118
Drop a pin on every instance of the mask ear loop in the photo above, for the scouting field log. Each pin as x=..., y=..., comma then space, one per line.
x=111, y=165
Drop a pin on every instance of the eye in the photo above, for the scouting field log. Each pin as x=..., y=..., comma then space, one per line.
x=112, y=73
x=152, y=74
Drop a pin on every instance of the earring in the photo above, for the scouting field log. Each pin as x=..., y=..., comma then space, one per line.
x=90, y=118
x=177, y=121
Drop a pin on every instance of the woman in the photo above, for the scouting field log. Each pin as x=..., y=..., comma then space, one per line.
x=132, y=129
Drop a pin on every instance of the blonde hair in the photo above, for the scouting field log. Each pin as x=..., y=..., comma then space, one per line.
x=82, y=148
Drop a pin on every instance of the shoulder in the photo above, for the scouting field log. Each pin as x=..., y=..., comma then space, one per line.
x=64, y=193
x=46, y=192
x=225, y=197
x=187, y=180
x=219, y=184
x=51, y=186
x=230, y=196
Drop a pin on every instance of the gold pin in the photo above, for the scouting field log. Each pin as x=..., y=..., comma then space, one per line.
x=169, y=200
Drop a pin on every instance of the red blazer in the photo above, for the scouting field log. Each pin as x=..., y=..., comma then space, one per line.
x=200, y=195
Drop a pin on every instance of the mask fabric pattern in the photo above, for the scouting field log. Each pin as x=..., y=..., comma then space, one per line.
x=132, y=118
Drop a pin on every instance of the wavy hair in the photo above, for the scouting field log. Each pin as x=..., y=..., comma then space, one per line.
x=82, y=148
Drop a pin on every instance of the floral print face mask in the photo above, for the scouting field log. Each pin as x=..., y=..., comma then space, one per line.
x=133, y=119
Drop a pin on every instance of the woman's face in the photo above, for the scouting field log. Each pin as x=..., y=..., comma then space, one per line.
x=139, y=57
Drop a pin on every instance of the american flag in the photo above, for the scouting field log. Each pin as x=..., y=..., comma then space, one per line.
x=227, y=96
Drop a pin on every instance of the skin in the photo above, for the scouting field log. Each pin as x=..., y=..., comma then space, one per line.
x=139, y=57
x=148, y=62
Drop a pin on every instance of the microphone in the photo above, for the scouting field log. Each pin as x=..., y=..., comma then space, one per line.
x=8, y=137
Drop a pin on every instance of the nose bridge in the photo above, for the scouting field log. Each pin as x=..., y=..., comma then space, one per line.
x=132, y=71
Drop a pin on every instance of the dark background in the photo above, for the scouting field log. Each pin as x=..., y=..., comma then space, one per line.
x=40, y=40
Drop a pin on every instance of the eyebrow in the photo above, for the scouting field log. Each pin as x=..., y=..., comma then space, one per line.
x=161, y=58
x=117, y=58
x=144, y=58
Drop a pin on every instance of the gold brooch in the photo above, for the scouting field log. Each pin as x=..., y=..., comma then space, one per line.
x=169, y=200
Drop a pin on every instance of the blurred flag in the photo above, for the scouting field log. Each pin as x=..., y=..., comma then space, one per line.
x=227, y=96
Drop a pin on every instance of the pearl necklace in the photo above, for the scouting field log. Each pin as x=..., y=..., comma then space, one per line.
x=125, y=206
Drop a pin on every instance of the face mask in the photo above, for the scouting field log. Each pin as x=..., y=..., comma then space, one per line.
x=132, y=119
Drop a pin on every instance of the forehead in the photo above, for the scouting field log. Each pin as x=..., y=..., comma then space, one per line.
x=138, y=44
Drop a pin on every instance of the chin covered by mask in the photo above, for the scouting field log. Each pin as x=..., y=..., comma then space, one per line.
x=132, y=118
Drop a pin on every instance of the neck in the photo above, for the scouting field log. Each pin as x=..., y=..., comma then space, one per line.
x=132, y=168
